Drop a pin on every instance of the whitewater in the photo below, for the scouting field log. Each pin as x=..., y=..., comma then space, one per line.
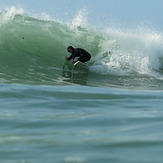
x=52, y=113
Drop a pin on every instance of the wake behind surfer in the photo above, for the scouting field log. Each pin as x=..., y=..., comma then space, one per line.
x=78, y=54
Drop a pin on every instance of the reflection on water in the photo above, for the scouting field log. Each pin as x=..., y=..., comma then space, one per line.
x=77, y=75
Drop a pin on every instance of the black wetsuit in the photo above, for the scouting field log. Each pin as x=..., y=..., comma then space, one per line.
x=83, y=55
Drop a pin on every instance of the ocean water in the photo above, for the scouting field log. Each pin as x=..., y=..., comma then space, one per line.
x=52, y=113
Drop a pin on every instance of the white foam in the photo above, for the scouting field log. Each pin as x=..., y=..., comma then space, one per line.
x=129, y=51
x=10, y=13
x=80, y=19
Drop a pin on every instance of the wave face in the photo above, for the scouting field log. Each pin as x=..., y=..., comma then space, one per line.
x=33, y=51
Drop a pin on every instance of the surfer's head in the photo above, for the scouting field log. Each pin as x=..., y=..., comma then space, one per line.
x=70, y=49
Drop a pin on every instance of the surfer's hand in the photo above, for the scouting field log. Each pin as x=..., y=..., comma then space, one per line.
x=66, y=58
x=72, y=61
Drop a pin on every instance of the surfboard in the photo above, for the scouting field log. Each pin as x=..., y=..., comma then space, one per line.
x=80, y=66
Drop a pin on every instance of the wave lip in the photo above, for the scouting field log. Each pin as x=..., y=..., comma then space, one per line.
x=10, y=14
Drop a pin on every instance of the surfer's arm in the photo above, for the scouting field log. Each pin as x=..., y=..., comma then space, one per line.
x=75, y=54
x=69, y=58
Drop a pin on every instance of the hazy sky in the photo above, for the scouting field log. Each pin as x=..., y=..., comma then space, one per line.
x=125, y=11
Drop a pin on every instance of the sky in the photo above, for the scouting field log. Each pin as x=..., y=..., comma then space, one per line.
x=99, y=11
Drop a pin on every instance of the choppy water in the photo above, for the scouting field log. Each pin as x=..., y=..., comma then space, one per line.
x=79, y=124
x=50, y=113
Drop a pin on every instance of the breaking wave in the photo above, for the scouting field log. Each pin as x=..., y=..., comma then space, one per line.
x=33, y=50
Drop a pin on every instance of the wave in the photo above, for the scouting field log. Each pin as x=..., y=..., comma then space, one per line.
x=33, y=50
x=138, y=51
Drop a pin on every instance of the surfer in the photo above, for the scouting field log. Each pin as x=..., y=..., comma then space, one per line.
x=78, y=54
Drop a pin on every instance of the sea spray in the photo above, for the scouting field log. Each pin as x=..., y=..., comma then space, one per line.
x=124, y=52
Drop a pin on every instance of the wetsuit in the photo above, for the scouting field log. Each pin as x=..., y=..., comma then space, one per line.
x=83, y=55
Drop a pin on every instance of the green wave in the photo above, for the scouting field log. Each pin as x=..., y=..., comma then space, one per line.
x=32, y=48
x=33, y=51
